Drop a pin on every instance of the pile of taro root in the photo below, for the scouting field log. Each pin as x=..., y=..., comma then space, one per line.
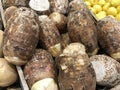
x=59, y=45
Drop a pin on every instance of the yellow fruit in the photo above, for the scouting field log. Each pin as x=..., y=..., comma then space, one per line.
x=112, y=11
x=101, y=2
x=118, y=17
x=93, y=2
x=108, y=1
x=106, y=6
x=93, y=10
x=111, y=16
x=115, y=2
x=87, y=3
x=98, y=8
x=101, y=15
x=118, y=9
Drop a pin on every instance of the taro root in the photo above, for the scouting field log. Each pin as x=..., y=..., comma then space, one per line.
x=1, y=43
x=65, y=40
x=60, y=6
x=60, y=21
x=8, y=74
x=81, y=27
x=8, y=3
x=75, y=70
x=9, y=11
x=107, y=70
x=21, y=36
x=40, y=71
x=49, y=35
x=1, y=23
x=48, y=6
x=76, y=5
x=117, y=87
x=109, y=36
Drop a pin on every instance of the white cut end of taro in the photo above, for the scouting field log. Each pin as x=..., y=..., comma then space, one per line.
x=43, y=18
x=55, y=50
x=63, y=66
x=94, y=52
x=39, y=5
x=56, y=17
x=100, y=70
x=116, y=55
x=45, y=84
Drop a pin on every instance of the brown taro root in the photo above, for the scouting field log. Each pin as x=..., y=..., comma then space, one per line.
x=21, y=36
x=9, y=11
x=48, y=6
x=1, y=43
x=60, y=6
x=81, y=27
x=8, y=3
x=107, y=70
x=76, y=5
x=40, y=71
x=1, y=23
x=75, y=70
x=60, y=21
x=109, y=36
x=49, y=36
x=8, y=75
x=65, y=40
x=117, y=87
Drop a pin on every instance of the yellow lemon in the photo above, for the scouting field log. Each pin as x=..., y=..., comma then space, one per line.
x=98, y=8
x=101, y=2
x=118, y=17
x=118, y=9
x=112, y=11
x=115, y=2
x=106, y=6
x=108, y=1
x=101, y=15
x=93, y=2
x=93, y=10
x=111, y=16
x=87, y=3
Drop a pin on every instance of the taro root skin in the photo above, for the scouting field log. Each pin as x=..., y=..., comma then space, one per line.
x=109, y=36
x=117, y=87
x=49, y=36
x=1, y=43
x=60, y=21
x=41, y=69
x=8, y=3
x=60, y=6
x=74, y=49
x=81, y=27
x=21, y=36
x=8, y=75
x=9, y=11
x=107, y=70
x=1, y=23
x=75, y=70
x=65, y=40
